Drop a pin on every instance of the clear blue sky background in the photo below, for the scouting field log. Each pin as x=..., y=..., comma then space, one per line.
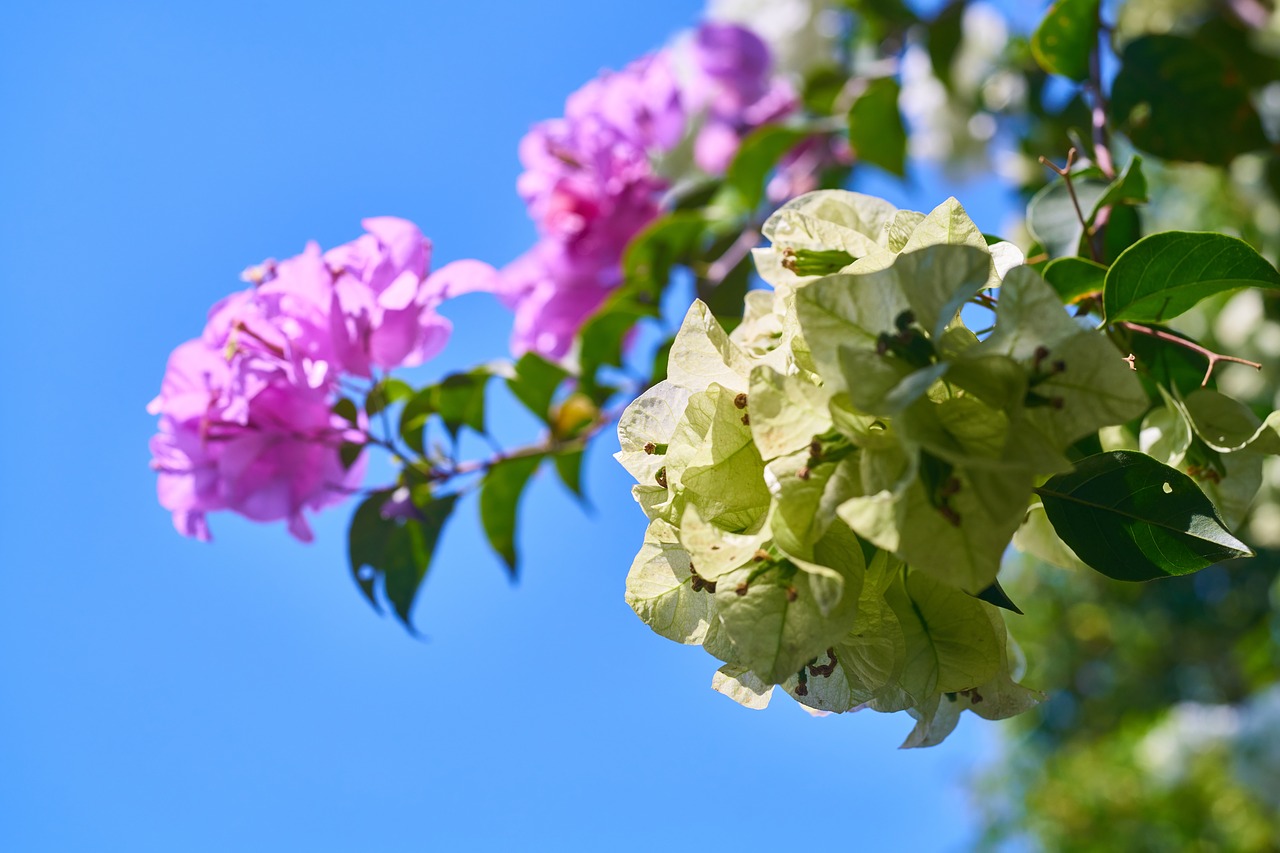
x=160, y=694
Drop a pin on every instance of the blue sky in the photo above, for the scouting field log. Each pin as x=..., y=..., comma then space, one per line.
x=161, y=694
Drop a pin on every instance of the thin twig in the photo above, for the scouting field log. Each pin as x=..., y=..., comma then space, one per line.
x=1213, y=357
x=1065, y=174
x=727, y=262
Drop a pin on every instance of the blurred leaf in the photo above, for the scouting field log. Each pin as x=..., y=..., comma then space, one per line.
x=821, y=88
x=1129, y=187
x=1075, y=278
x=396, y=550
x=669, y=239
x=876, y=131
x=500, y=500
x=346, y=409
x=1052, y=216
x=459, y=400
x=413, y=418
x=389, y=390
x=945, y=34
x=349, y=452
x=1165, y=274
x=535, y=384
x=758, y=155
x=1180, y=100
x=569, y=467
x=1134, y=519
x=572, y=416
x=1066, y=37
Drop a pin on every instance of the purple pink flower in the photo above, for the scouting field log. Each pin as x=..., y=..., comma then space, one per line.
x=246, y=409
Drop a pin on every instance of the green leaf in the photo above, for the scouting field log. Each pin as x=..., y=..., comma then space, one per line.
x=1227, y=425
x=744, y=181
x=1161, y=362
x=668, y=240
x=1181, y=100
x=459, y=400
x=1066, y=37
x=1165, y=274
x=946, y=32
x=389, y=390
x=500, y=500
x=1075, y=278
x=396, y=550
x=1130, y=187
x=876, y=131
x=1132, y=518
x=349, y=452
x=414, y=415
x=346, y=409
x=569, y=466
x=1052, y=217
x=535, y=384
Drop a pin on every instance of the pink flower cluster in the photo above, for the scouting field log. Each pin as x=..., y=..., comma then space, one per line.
x=590, y=183
x=246, y=417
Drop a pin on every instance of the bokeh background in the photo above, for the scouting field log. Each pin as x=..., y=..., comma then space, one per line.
x=161, y=694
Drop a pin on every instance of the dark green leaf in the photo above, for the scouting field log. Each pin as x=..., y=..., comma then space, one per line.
x=1164, y=274
x=569, y=467
x=945, y=34
x=346, y=409
x=744, y=182
x=1181, y=100
x=1134, y=519
x=1065, y=38
x=396, y=550
x=876, y=131
x=725, y=297
x=459, y=400
x=995, y=595
x=386, y=392
x=349, y=452
x=1074, y=278
x=1123, y=229
x=535, y=383
x=500, y=500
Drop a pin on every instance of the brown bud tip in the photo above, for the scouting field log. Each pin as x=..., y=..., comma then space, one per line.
x=802, y=689
x=760, y=555
x=742, y=589
x=1041, y=353
x=740, y=401
x=952, y=517
x=803, y=473
x=650, y=448
x=792, y=595
x=1059, y=366
x=746, y=420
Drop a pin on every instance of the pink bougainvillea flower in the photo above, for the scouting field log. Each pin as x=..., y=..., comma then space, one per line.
x=246, y=410
x=591, y=182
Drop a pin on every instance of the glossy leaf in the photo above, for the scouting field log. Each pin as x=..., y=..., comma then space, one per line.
x=1132, y=518
x=1165, y=274
x=388, y=391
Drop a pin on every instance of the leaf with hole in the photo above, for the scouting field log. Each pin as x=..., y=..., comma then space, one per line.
x=1134, y=519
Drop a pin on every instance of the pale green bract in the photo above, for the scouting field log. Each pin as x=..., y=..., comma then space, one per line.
x=832, y=484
